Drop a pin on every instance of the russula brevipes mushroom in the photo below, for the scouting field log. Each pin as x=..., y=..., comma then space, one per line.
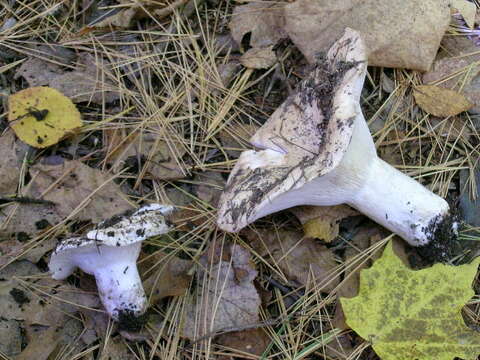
x=110, y=252
x=318, y=150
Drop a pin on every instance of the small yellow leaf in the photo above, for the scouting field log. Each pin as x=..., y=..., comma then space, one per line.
x=320, y=229
x=408, y=314
x=42, y=116
x=322, y=222
x=439, y=101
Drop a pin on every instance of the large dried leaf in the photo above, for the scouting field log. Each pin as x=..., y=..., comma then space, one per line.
x=302, y=260
x=13, y=249
x=402, y=34
x=38, y=72
x=72, y=183
x=263, y=19
x=69, y=185
x=409, y=314
x=89, y=82
x=226, y=299
x=439, y=101
x=48, y=307
x=27, y=218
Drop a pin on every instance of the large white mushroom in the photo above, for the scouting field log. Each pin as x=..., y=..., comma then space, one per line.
x=318, y=151
x=110, y=252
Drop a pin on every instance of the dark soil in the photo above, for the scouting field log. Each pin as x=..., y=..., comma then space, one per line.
x=19, y=296
x=444, y=244
x=128, y=321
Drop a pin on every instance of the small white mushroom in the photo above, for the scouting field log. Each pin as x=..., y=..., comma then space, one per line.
x=318, y=151
x=110, y=252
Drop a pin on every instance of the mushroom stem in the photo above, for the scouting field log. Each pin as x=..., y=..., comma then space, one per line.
x=120, y=288
x=316, y=149
x=399, y=203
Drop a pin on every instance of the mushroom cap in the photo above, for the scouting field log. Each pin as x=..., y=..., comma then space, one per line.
x=305, y=138
x=110, y=235
x=147, y=221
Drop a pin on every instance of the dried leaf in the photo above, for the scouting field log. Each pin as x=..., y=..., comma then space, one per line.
x=409, y=314
x=457, y=68
x=68, y=184
x=252, y=341
x=75, y=183
x=166, y=275
x=297, y=257
x=235, y=137
x=42, y=346
x=161, y=159
x=121, y=19
x=48, y=307
x=439, y=101
x=42, y=116
x=209, y=186
x=27, y=218
x=38, y=72
x=263, y=19
x=116, y=349
x=259, y=58
x=226, y=299
x=467, y=9
x=13, y=249
x=391, y=29
x=89, y=82
x=10, y=163
x=10, y=337
x=322, y=222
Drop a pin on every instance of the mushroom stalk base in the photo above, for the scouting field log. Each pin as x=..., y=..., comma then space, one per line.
x=400, y=203
x=120, y=288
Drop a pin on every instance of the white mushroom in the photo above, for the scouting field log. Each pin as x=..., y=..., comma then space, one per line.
x=318, y=151
x=110, y=253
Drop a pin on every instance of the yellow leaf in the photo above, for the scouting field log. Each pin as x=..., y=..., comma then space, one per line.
x=409, y=314
x=42, y=116
x=439, y=101
x=322, y=222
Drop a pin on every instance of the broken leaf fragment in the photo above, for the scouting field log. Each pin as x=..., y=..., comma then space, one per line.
x=226, y=298
x=467, y=9
x=439, y=101
x=409, y=314
x=259, y=58
x=42, y=116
